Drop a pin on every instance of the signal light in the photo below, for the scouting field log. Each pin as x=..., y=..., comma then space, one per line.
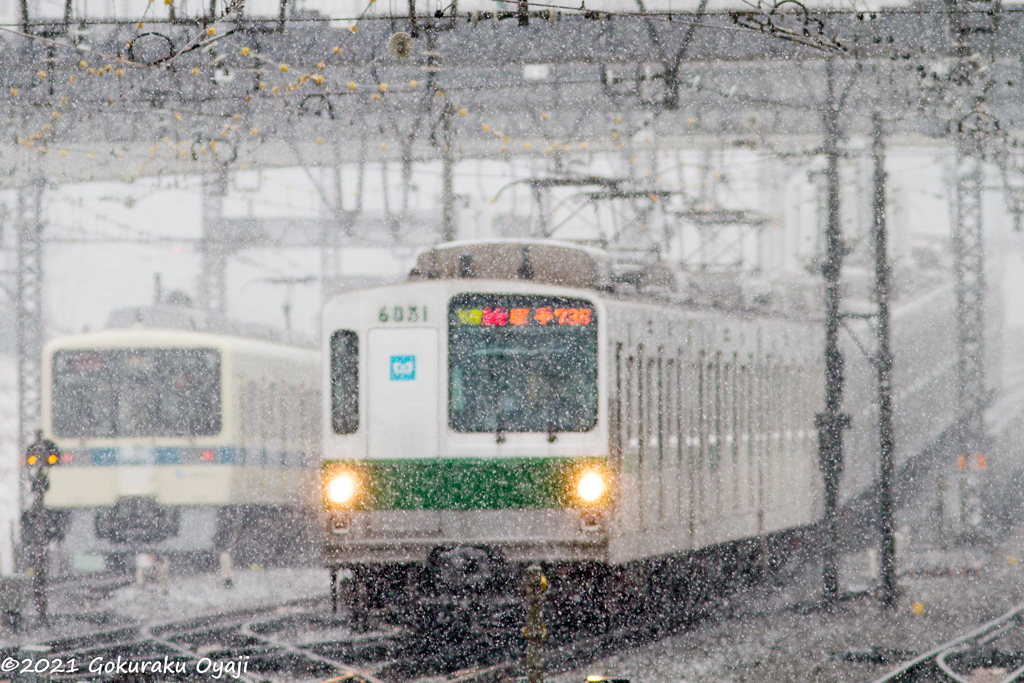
x=208, y=456
x=977, y=461
x=42, y=452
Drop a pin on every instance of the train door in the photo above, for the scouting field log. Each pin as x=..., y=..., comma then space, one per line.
x=402, y=393
x=699, y=520
x=628, y=440
x=727, y=450
x=670, y=444
x=685, y=457
x=712, y=438
x=744, y=490
x=650, y=442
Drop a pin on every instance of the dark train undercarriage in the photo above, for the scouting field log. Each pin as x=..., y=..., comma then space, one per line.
x=473, y=588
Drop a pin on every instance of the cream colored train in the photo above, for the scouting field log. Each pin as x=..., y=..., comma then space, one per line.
x=178, y=442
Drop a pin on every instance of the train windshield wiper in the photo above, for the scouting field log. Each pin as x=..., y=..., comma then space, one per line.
x=499, y=436
x=549, y=409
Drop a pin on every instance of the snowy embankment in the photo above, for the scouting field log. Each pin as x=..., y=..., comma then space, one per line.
x=8, y=461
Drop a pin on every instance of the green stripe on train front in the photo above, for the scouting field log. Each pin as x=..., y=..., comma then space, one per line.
x=466, y=483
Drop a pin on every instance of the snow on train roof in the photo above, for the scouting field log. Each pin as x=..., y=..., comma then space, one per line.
x=552, y=262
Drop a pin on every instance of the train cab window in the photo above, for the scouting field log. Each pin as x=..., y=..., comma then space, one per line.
x=344, y=382
x=520, y=363
x=106, y=393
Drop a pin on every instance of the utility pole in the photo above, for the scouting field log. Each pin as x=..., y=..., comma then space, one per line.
x=973, y=25
x=212, y=285
x=832, y=422
x=330, y=237
x=447, y=175
x=29, y=322
x=29, y=225
x=969, y=274
x=883, y=276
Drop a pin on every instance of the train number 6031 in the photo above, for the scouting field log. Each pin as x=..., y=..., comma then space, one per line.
x=399, y=314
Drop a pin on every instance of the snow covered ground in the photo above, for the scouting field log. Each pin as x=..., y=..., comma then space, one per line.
x=205, y=593
x=78, y=607
x=775, y=633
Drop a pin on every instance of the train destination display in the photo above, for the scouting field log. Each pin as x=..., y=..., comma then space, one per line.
x=522, y=363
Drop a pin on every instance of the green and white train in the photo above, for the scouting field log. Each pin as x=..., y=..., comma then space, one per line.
x=516, y=402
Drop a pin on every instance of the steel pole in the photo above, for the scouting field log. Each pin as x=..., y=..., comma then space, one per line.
x=447, y=176
x=883, y=277
x=29, y=329
x=212, y=284
x=40, y=549
x=831, y=422
x=29, y=302
x=969, y=273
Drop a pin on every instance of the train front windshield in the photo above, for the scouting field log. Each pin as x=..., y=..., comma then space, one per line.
x=111, y=393
x=521, y=364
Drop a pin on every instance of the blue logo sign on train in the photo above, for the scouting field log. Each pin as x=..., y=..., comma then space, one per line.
x=403, y=367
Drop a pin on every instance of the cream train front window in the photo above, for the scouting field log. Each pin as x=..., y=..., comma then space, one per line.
x=116, y=393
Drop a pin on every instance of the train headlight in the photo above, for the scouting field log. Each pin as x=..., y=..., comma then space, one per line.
x=342, y=488
x=591, y=486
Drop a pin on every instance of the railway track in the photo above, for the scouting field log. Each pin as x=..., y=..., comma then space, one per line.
x=296, y=641
x=991, y=653
x=302, y=640
x=299, y=641
x=247, y=645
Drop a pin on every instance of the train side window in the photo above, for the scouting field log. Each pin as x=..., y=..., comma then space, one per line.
x=786, y=417
x=314, y=427
x=252, y=398
x=345, y=382
x=650, y=417
x=273, y=448
x=743, y=433
x=714, y=412
x=272, y=414
x=283, y=416
x=620, y=435
x=640, y=423
x=727, y=416
x=307, y=411
x=630, y=400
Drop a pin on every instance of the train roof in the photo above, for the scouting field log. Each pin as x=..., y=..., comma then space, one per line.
x=645, y=277
x=171, y=316
x=154, y=337
x=550, y=262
